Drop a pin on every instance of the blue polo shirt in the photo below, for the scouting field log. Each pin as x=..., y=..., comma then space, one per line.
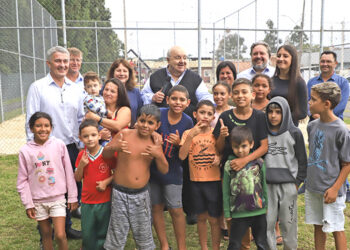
x=344, y=88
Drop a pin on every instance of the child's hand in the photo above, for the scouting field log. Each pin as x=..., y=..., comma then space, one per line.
x=101, y=186
x=330, y=195
x=174, y=138
x=30, y=213
x=155, y=150
x=223, y=130
x=72, y=206
x=197, y=129
x=122, y=145
x=84, y=160
x=216, y=162
x=238, y=164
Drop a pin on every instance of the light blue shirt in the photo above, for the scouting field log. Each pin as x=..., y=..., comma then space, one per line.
x=64, y=105
x=80, y=81
x=344, y=89
x=250, y=73
x=201, y=91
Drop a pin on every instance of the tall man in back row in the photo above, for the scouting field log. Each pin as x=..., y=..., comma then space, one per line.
x=156, y=89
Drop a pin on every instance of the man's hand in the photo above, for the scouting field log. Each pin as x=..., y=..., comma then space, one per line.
x=31, y=213
x=158, y=97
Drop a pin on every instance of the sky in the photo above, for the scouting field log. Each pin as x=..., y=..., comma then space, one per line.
x=184, y=14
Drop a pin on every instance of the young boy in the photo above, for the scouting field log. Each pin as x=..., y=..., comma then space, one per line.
x=130, y=199
x=96, y=192
x=285, y=162
x=328, y=167
x=244, y=192
x=198, y=144
x=166, y=190
x=93, y=101
x=242, y=115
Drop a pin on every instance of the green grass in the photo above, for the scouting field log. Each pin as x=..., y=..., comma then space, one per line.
x=347, y=120
x=19, y=232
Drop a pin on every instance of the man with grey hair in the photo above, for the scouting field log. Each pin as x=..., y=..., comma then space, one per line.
x=176, y=72
x=62, y=99
x=260, y=53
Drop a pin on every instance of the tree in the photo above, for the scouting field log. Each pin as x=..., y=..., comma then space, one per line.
x=231, y=47
x=294, y=37
x=109, y=45
x=271, y=36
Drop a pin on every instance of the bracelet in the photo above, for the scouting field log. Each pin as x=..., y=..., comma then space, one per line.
x=100, y=121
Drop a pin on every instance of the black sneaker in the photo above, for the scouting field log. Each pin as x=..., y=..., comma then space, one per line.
x=191, y=219
x=73, y=234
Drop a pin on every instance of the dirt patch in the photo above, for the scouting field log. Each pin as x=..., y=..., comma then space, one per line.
x=12, y=135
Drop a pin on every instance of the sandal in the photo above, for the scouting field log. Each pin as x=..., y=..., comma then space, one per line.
x=224, y=233
x=279, y=240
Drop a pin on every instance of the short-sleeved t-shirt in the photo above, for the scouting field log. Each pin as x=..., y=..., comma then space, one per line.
x=329, y=144
x=171, y=152
x=256, y=122
x=98, y=169
x=201, y=155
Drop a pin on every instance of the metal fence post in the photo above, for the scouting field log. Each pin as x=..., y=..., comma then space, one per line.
x=43, y=25
x=97, y=55
x=33, y=40
x=19, y=58
x=1, y=102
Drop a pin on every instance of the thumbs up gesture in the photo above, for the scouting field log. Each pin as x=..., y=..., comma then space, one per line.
x=223, y=129
x=155, y=150
x=158, y=96
x=174, y=138
x=122, y=145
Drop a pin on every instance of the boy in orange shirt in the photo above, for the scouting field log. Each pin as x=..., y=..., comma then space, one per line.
x=198, y=144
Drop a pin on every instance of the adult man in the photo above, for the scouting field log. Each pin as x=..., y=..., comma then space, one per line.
x=161, y=81
x=62, y=99
x=260, y=53
x=75, y=60
x=328, y=63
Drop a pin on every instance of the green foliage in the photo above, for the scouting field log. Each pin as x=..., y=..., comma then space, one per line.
x=294, y=37
x=84, y=14
x=271, y=36
x=231, y=47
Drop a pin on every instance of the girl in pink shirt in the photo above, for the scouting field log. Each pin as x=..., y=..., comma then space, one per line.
x=44, y=177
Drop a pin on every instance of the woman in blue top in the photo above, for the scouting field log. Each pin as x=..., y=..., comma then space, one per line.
x=122, y=70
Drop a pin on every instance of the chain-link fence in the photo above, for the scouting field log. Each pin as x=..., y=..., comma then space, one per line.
x=27, y=31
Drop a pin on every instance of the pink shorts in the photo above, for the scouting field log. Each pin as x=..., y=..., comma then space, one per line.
x=50, y=209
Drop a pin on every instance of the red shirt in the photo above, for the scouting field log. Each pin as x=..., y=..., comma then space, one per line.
x=98, y=169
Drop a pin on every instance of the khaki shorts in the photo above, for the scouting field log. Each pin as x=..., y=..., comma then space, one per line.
x=46, y=210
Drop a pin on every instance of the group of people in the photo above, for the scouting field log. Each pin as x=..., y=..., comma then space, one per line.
x=234, y=158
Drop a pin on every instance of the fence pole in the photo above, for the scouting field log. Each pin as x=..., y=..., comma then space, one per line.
x=310, y=53
x=237, y=43
x=63, y=8
x=19, y=58
x=43, y=25
x=97, y=55
x=199, y=39
x=213, y=61
x=224, y=39
x=1, y=102
x=33, y=40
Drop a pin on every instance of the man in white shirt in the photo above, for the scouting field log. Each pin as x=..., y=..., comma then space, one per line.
x=75, y=61
x=62, y=99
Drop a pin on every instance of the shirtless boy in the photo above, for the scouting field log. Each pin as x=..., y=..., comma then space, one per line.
x=131, y=207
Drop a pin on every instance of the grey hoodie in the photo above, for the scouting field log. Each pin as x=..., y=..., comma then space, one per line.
x=286, y=158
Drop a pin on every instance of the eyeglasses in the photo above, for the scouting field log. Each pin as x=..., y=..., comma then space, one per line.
x=75, y=60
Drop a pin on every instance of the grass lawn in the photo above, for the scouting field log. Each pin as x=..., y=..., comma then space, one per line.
x=19, y=232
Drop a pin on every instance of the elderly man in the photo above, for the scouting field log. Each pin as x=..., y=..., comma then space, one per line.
x=260, y=53
x=75, y=60
x=161, y=81
x=62, y=99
